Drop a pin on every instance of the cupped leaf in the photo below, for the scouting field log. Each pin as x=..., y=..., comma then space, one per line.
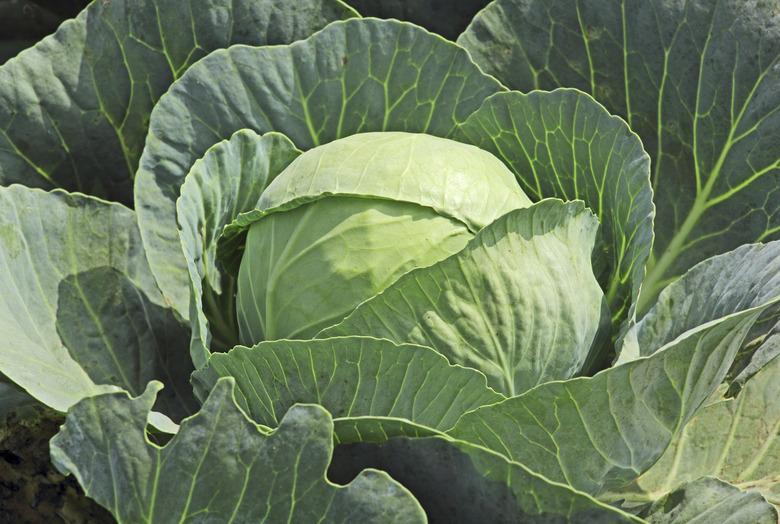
x=350, y=377
x=735, y=439
x=80, y=313
x=352, y=77
x=699, y=81
x=599, y=433
x=220, y=466
x=519, y=303
x=120, y=336
x=460, y=482
x=747, y=277
x=227, y=181
x=74, y=109
x=711, y=500
x=564, y=144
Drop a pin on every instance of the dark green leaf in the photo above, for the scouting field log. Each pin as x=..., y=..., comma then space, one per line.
x=734, y=439
x=698, y=80
x=219, y=467
x=80, y=313
x=75, y=108
x=352, y=77
x=519, y=303
x=227, y=181
x=601, y=432
x=458, y=482
x=350, y=377
x=747, y=277
x=564, y=144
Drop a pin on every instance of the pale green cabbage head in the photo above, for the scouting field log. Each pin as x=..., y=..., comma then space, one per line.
x=346, y=219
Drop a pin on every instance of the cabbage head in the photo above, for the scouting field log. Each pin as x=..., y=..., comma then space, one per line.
x=531, y=274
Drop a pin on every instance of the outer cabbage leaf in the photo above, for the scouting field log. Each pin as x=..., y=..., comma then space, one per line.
x=350, y=377
x=519, y=303
x=352, y=77
x=564, y=144
x=599, y=433
x=711, y=500
x=734, y=439
x=220, y=466
x=227, y=181
x=80, y=313
x=74, y=109
x=698, y=80
x=754, y=359
x=746, y=277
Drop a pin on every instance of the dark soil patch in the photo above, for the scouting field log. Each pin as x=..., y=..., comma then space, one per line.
x=31, y=489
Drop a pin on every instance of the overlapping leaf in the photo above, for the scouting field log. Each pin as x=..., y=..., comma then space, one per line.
x=747, y=277
x=220, y=466
x=351, y=77
x=79, y=310
x=601, y=432
x=74, y=110
x=227, y=181
x=459, y=482
x=348, y=218
x=735, y=439
x=563, y=144
x=408, y=167
x=519, y=303
x=350, y=377
x=698, y=80
x=711, y=500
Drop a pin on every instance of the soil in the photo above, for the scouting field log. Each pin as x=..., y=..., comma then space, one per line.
x=32, y=491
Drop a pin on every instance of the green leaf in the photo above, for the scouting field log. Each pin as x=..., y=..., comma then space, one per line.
x=120, y=336
x=756, y=359
x=350, y=377
x=711, y=500
x=698, y=81
x=80, y=313
x=227, y=181
x=735, y=439
x=356, y=430
x=460, y=482
x=564, y=144
x=598, y=433
x=747, y=277
x=519, y=303
x=220, y=466
x=352, y=77
x=76, y=106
